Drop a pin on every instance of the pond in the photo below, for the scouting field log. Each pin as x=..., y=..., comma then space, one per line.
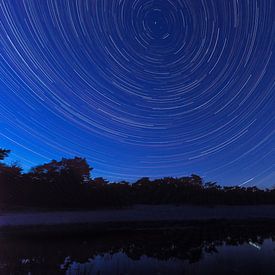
x=190, y=250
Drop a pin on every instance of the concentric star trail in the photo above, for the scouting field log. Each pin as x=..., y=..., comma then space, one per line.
x=143, y=87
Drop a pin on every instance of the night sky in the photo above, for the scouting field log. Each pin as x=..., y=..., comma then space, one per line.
x=141, y=87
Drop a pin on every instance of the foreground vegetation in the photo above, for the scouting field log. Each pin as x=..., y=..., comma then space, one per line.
x=68, y=184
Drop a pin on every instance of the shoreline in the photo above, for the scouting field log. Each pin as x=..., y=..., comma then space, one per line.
x=139, y=217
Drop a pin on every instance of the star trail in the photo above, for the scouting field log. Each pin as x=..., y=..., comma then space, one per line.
x=141, y=87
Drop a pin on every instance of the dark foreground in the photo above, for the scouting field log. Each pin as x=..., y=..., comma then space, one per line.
x=140, y=240
x=206, y=247
x=127, y=217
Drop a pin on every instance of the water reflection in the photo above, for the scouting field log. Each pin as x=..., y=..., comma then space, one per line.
x=190, y=250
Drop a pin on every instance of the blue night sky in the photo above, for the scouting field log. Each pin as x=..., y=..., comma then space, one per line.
x=141, y=87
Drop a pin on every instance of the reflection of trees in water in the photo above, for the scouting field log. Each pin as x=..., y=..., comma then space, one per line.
x=190, y=244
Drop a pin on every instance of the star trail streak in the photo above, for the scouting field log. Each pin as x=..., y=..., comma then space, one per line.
x=141, y=88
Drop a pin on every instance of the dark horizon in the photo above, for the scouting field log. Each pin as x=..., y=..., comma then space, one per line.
x=18, y=169
x=68, y=183
x=141, y=88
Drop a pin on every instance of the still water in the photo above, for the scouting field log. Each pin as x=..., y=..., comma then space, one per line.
x=241, y=250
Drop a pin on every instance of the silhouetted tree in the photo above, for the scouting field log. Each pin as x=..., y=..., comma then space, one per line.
x=10, y=176
x=68, y=183
x=197, y=180
x=4, y=153
x=76, y=170
x=99, y=182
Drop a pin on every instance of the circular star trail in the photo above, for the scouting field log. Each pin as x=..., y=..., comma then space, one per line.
x=143, y=87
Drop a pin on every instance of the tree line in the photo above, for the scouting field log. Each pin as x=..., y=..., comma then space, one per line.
x=68, y=184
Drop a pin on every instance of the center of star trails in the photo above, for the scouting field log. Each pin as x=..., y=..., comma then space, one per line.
x=156, y=23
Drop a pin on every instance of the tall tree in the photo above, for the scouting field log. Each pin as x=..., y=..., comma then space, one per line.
x=74, y=170
x=4, y=153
